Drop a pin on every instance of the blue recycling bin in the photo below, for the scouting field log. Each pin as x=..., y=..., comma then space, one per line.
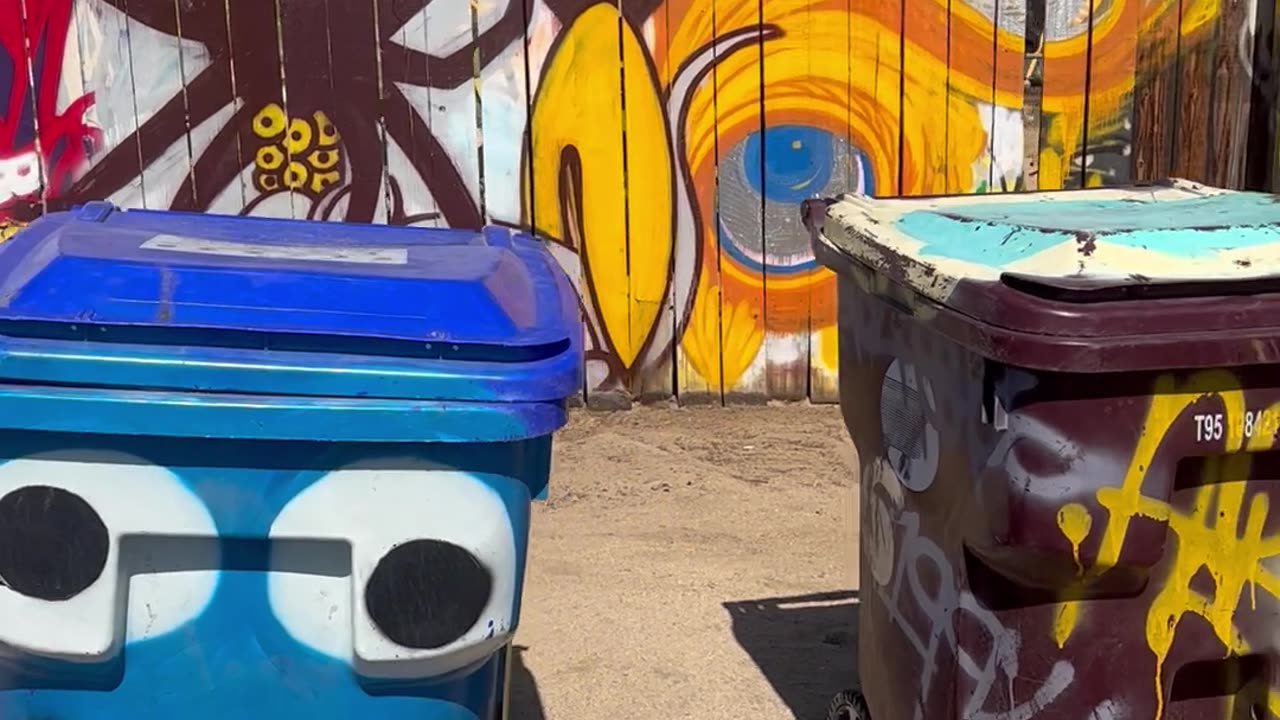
x=270, y=469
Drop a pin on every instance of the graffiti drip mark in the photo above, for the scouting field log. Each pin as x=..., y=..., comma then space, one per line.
x=1074, y=521
x=1208, y=537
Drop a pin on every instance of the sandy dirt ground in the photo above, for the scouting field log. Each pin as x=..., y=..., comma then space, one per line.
x=692, y=563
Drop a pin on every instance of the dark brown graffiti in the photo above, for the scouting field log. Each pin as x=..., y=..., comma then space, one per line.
x=326, y=141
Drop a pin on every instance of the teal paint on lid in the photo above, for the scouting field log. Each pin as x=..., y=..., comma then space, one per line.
x=998, y=234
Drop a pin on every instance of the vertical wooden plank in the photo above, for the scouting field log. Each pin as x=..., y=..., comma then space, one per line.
x=417, y=164
x=577, y=167
x=478, y=99
x=970, y=60
x=504, y=103
x=698, y=375
x=1063, y=92
x=329, y=115
x=926, y=33
x=1033, y=94
x=1196, y=72
x=452, y=111
x=790, y=155
x=97, y=61
x=539, y=192
x=295, y=29
x=1108, y=138
x=651, y=240
x=220, y=171
x=740, y=207
x=189, y=67
x=1274, y=115
x=1232, y=93
x=877, y=98
x=1155, y=91
x=386, y=26
x=876, y=28
x=53, y=138
x=73, y=78
x=407, y=132
x=152, y=80
x=1258, y=162
x=824, y=385
x=163, y=179
x=254, y=33
x=216, y=122
x=22, y=186
x=228, y=161
x=1009, y=48
x=849, y=174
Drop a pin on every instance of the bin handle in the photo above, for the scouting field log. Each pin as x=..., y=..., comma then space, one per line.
x=813, y=210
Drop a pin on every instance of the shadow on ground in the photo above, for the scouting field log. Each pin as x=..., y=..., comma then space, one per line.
x=526, y=703
x=805, y=645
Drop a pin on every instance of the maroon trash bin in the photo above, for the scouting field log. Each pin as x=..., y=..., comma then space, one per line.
x=1065, y=407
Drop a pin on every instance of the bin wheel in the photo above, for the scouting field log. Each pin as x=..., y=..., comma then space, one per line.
x=848, y=705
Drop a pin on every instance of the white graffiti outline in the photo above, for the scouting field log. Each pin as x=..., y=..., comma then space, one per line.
x=941, y=610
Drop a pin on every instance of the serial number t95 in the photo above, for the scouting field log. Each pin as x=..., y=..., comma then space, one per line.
x=1210, y=427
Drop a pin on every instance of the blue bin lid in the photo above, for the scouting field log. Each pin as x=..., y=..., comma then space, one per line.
x=147, y=300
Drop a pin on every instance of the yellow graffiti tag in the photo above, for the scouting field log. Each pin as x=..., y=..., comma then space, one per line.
x=1074, y=521
x=577, y=158
x=1207, y=536
x=8, y=229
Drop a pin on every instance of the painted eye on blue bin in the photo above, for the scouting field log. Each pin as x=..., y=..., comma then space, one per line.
x=426, y=594
x=81, y=529
x=433, y=565
x=53, y=544
x=782, y=166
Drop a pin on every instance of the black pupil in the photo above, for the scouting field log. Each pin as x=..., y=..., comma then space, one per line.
x=426, y=594
x=53, y=545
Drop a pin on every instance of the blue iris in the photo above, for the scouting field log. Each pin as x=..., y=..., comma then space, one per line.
x=798, y=162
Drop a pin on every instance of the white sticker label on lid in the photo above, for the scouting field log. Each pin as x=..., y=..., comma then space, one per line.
x=318, y=253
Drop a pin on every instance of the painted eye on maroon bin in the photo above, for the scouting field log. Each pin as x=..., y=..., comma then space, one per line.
x=907, y=425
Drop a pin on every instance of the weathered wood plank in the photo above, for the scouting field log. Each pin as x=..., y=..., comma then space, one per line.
x=686, y=26
x=1155, y=91
x=740, y=128
x=790, y=155
x=1191, y=141
x=1231, y=92
x=1063, y=90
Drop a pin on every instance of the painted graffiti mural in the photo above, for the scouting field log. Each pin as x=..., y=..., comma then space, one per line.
x=669, y=190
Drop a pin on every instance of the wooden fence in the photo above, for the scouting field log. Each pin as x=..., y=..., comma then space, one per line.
x=662, y=148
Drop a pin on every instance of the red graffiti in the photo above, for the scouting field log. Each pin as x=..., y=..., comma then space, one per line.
x=42, y=150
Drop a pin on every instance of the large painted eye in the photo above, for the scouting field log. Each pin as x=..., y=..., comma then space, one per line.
x=96, y=548
x=432, y=584
x=781, y=167
x=907, y=411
